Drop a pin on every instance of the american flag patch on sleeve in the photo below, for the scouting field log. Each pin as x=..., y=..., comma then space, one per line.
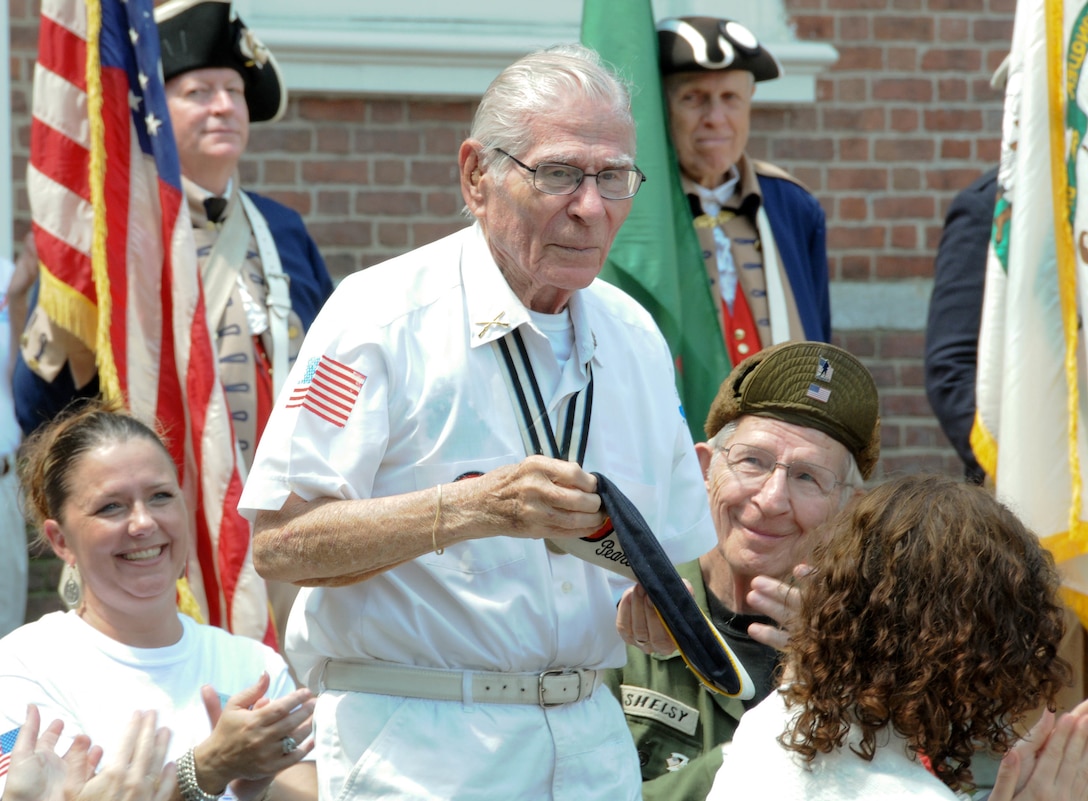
x=7, y=743
x=329, y=389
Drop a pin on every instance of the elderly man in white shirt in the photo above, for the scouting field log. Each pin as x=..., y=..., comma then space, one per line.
x=432, y=461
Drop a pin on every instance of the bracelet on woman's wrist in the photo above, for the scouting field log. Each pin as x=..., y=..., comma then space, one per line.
x=187, y=785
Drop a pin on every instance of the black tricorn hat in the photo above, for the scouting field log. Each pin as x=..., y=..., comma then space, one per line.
x=197, y=34
x=710, y=44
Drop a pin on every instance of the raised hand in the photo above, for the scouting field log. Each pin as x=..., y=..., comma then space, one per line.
x=248, y=734
x=639, y=624
x=134, y=772
x=1050, y=764
x=777, y=600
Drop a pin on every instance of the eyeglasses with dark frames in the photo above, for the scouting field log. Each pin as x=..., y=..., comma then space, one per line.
x=563, y=179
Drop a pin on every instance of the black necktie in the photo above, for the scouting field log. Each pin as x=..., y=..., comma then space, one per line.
x=215, y=206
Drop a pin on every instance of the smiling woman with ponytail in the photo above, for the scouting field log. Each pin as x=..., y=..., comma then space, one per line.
x=102, y=490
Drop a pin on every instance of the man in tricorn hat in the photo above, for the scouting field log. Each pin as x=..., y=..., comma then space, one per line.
x=762, y=234
x=810, y=409
x=264, y=279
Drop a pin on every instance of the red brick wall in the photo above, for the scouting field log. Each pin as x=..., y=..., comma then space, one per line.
x=906, y=117
x=903, y=120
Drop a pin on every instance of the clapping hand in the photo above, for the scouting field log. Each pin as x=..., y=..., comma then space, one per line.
x=1050, y=763
x=134, y=773
x=253, y=738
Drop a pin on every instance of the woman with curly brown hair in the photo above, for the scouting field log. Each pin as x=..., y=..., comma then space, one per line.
x=929, y=627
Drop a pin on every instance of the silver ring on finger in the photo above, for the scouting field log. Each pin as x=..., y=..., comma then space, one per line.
x=289, y=744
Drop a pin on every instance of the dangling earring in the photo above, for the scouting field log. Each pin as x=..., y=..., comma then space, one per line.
x=71, y=586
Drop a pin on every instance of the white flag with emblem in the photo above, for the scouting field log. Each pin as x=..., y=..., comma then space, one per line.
x=1029, y=432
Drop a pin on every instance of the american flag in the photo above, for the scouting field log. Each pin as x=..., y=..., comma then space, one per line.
x=119, y=270
x=329, y=389
x=7, y=742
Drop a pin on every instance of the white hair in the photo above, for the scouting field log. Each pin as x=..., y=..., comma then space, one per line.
x=538, y=84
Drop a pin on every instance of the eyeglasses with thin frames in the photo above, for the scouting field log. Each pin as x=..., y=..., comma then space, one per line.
x=563, y=179
x=753, y=466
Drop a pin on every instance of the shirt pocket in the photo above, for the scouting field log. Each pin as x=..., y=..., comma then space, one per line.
x=471, y=556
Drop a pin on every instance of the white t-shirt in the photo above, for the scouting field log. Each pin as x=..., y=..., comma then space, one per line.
x=93, y=683
x=756, y=766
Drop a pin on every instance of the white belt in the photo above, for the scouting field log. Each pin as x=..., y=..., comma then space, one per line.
x=548, y=688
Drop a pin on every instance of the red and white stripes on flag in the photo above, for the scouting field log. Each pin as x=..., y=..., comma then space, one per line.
x=328, y=389
x=119, y=270
x=7, y=743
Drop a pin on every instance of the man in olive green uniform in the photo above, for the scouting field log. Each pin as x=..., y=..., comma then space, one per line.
x=810, y=409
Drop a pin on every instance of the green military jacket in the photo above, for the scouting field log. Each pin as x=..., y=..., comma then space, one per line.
x=678, y=724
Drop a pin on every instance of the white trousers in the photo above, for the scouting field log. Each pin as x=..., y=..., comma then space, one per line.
x=411, y=749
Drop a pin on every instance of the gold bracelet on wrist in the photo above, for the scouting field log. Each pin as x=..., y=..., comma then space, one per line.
x=434, y=526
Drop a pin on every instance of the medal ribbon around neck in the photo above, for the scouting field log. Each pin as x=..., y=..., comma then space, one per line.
x=536, y=427
x=624, y=544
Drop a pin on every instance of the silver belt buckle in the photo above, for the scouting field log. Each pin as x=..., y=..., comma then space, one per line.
x=540, y=686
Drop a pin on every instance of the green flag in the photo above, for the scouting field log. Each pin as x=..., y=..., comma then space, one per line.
x=656, y=257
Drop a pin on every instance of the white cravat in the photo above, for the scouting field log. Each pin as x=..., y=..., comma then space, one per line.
x=712, y=201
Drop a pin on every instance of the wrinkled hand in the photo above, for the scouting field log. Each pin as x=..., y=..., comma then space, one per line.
x=538, y=498
x=246, y=742
x=777, y=600
x=1050, y=764
x=639, y=624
